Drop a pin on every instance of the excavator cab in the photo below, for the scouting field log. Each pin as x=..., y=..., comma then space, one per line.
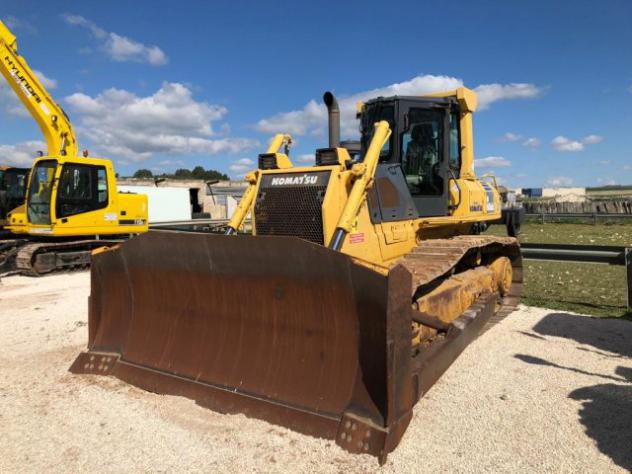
x=71, y=196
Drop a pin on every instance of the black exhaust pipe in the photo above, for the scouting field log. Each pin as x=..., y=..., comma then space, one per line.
x=333, y=115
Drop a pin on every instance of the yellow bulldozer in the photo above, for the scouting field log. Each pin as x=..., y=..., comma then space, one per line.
x=362, y=280
x=70, y=205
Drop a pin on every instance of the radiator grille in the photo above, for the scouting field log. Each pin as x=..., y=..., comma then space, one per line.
x=291, y=210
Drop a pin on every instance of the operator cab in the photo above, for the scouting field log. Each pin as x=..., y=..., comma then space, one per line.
x=78, y=187
x=420, y=157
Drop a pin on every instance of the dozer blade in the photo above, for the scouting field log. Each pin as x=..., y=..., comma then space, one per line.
x=276, y=328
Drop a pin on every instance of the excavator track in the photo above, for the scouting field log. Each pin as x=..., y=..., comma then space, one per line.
x=36, y=259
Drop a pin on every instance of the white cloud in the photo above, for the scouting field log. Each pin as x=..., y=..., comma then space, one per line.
x=605, y=162
x=559, y=181
x=240, y=167
x=592, y=139
x=492, y=162
x=312, y=118
x=532, y=142
x=118, y=47
x=21, y=154
x=561, y=143
x=627, y=167
x=306, y=158
x=171, y=163
x=170, y=122
x=490, y=93
x=510, y=137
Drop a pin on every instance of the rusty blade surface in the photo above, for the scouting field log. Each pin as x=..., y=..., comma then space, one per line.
x=274, y=327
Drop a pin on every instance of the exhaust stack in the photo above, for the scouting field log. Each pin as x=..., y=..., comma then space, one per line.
x=333, y=115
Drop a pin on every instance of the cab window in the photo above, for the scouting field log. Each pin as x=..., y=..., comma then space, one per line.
x=82, y=188
x=455, y=144
x=422, y=149
x=373, y=115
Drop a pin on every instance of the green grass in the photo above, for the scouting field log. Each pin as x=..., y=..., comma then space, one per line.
x=586, y=288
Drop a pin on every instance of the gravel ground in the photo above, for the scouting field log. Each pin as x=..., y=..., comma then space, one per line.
x=543, y=391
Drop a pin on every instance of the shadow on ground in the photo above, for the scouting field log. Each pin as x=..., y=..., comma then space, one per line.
x=612, y=335
x=606, y=411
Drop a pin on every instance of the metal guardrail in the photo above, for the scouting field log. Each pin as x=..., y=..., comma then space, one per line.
x=611, y=255
x=594, y=216
x=187, y=223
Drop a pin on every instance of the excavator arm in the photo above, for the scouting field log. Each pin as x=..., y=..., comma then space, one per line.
x=55, y=125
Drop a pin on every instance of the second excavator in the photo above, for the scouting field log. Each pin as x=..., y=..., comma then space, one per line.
x=70, y=204
x=362, y=281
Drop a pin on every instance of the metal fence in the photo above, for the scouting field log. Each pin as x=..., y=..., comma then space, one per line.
x=606, y=254
x=591, y=216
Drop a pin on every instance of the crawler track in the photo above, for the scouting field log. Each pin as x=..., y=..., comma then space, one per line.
x=437, y=259
x=38, y=258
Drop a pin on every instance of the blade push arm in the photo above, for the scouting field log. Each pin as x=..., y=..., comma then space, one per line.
x=53, y=121
x=364, y=172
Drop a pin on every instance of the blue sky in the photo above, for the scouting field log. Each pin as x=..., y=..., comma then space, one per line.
x=163, y=84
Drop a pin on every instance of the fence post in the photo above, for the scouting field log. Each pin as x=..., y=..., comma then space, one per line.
x=628, y=271
x=543, y=218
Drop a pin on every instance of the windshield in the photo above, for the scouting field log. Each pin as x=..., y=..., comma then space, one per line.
x=376, y=113
x=40, y=189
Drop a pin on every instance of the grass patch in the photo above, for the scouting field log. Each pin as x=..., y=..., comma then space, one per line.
x=587, y=288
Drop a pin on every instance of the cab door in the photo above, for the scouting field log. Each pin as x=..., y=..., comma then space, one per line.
x=82, y=197
x=424, y=146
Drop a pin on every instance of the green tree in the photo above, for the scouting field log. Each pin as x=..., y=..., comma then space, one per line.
x=183, y=173
x=198, y=173
x=143, y=174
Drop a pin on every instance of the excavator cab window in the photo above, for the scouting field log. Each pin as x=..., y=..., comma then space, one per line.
x=422, y=150
x=40, y=190
x=82, y=188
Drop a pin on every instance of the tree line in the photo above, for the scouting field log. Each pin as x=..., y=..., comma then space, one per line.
x=183, y=173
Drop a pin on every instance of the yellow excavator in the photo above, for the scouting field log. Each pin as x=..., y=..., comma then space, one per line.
x=362, y=280
x=71, y=205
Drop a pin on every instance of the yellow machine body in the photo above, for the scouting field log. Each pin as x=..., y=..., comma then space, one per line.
x=67, y=195
x=111, y=212
x=471, y=201
x=362, y=280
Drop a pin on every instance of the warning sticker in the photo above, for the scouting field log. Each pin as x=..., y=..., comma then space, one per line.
x=356, y=238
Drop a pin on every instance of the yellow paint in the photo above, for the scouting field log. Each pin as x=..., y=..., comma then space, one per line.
x=105, y=221
x=379, y=246
x=62, y=148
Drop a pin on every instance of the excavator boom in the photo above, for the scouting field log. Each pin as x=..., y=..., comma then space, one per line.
x=55, y=125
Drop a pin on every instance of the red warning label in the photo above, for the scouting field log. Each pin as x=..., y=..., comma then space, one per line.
x=356, y=238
